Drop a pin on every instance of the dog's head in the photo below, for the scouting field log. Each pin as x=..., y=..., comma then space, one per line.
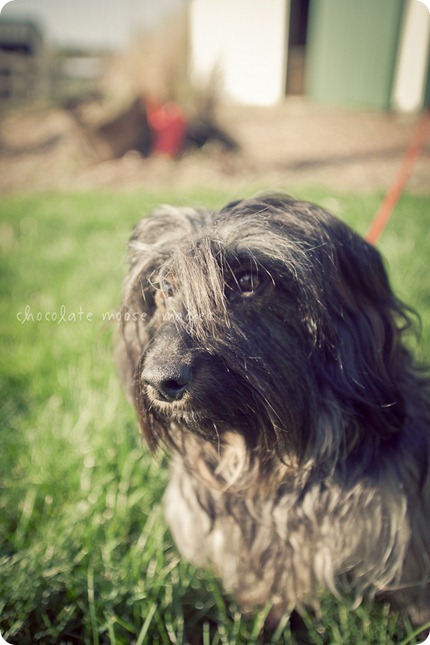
x=269, y=319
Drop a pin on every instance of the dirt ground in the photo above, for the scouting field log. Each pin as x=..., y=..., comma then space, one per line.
x=291, y=144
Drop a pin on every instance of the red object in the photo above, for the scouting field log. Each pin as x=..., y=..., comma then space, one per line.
x=167, y=123
x=412, y=153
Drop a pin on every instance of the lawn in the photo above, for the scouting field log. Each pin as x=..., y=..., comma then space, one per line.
x=85, y=554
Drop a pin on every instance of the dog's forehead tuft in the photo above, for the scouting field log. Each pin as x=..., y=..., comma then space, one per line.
x=166, y=225
x=244, y=224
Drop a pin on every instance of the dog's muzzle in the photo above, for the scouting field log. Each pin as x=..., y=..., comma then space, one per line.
x=167, y=383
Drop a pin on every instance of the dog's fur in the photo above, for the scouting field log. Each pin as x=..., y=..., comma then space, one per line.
x=264, y=347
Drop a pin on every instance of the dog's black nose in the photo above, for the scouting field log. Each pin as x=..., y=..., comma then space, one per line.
x=168, y=385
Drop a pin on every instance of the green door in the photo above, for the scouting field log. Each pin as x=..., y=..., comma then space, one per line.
x=352, y=48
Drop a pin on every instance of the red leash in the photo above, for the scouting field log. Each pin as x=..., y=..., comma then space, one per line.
x=412, y=153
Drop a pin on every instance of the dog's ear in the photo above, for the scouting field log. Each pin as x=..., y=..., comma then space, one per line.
x=365, y=360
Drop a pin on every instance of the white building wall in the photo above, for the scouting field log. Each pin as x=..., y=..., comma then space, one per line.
x=245, y=43
x=412, y=64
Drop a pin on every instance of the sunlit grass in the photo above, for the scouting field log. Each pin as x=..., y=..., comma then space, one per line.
x=85, y=553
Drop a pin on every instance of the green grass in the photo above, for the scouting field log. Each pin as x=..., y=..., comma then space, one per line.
x=85, y=554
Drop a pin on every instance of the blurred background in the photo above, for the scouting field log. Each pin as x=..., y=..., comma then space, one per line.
x=211, y=91
x=108, y=108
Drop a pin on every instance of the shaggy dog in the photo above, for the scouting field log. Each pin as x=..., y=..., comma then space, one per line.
x=264, y=348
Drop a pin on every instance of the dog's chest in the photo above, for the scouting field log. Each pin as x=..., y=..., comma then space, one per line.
x=287, y=545
x=264, y=546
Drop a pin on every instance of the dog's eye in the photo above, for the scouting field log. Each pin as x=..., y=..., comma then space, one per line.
x=166, y=288
x=248, y=284
x=163, y=291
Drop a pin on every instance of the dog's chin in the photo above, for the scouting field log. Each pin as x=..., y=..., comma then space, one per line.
x=164, y=409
